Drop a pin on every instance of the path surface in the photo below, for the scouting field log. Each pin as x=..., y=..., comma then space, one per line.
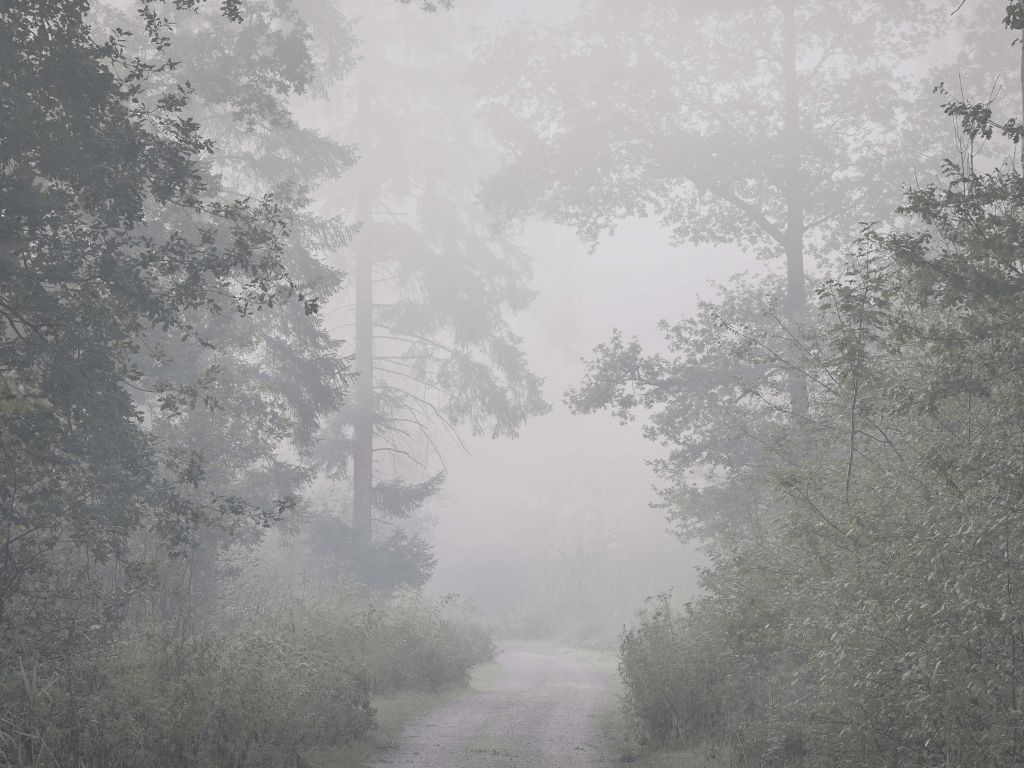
x=545, y=711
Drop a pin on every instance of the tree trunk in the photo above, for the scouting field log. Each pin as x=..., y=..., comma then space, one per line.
x=364, y=405
x=793, y=192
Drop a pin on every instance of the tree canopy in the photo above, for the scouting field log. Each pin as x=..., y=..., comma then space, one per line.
x=100, y=147
x=774, y=126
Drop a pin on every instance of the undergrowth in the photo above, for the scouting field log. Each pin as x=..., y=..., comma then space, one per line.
x=260, y=684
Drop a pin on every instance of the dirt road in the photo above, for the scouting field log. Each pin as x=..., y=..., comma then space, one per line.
x=546, y=710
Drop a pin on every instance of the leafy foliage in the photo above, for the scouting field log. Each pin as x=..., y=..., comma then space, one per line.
x=99, y=147
x=773, y=126
x=387, y=564
x=861, y=607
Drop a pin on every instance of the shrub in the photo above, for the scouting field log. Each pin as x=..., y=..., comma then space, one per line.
x=671, y=693
x=413, y=643
x=255, y=686
x=251, y=693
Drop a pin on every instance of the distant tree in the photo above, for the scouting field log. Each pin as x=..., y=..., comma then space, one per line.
x=434, y=283
x=331, y=552
x=268, y=381
x=776, y=126
x=723, y=366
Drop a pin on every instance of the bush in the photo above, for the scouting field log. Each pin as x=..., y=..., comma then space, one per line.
x=417, y=644
x=258, y=685
x=713, y=677
x=252, y=693
x=671, y=690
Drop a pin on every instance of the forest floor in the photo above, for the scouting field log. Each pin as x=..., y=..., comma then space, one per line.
x=538, y=707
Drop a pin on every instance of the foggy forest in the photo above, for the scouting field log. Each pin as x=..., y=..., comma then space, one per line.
x=511, y=383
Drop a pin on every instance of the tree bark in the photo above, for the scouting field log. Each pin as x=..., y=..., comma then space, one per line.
x=364, y=404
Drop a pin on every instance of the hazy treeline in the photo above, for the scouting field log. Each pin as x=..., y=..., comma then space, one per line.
x=259, y=267
x=843, y=437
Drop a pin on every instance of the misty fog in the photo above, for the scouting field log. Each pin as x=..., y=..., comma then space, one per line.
x=503, y=383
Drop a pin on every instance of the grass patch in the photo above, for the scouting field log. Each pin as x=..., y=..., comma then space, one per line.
x=485, y=677
x=689, y=758
x=490, y=745
x=613, y=738
x=393, y=713
x=616, y=742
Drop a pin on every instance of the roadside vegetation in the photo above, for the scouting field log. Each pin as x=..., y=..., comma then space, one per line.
x=855, y=473
x=273, y=678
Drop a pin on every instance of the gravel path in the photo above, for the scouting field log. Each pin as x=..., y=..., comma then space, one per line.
x=544, y=712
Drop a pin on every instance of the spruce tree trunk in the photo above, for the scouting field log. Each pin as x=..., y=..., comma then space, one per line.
x=793, y=191
x=364, y=406
x=363, y=401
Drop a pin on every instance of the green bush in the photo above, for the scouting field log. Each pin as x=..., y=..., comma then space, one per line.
x=256, y=686
x=672, y=691
x=253, y=693
x=712, y=677
x=417, y=644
